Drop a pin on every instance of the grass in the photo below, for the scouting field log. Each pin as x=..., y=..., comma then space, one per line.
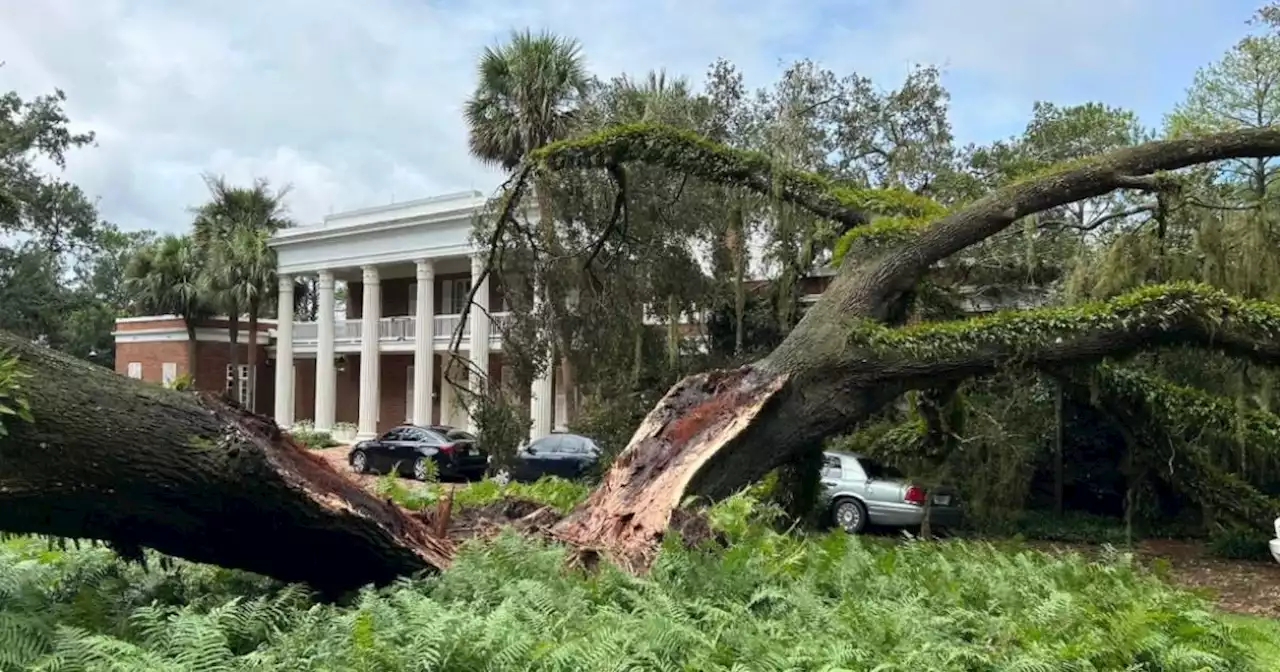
x=769, y=601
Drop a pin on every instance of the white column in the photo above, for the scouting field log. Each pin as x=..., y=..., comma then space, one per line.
x=540, y=399
x=326, y=377
x=284, y=353
x=424, y=340
x=479, y=320
x=370, y=311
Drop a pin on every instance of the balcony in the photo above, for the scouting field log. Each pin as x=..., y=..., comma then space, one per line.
x=347, y=334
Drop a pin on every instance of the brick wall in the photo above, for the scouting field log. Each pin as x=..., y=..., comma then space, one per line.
x=393, y=399
x=210, y=368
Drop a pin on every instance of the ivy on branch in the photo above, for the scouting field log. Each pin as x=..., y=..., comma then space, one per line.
x=1179, y=423
x=688, y=153
x=1175, y=314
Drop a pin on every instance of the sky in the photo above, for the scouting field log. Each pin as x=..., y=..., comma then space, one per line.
x=357, y=104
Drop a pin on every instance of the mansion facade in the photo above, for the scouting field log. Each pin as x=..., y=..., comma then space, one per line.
x=408, y=269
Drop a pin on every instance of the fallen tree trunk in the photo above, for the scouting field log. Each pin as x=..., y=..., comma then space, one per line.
x=114, y=459
x=714, y=433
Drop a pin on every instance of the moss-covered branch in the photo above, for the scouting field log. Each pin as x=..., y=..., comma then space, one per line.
x=1179, y=424
x=1177, y=314
x=688, y=153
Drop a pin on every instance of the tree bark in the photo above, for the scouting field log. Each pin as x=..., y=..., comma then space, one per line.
x=716, y=432
x=114, y=459
x=192, y=349
x=233, y=354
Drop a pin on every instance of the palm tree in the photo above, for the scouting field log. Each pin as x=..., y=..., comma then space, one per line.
x=527, y=95
x=164, y=278
x=233, y=229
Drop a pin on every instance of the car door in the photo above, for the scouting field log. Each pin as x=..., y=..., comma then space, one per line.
x=379, y=450
x=390, y=448
x=408, y=448
x=833, y=481
x=569, y=458
x=538, y=458
x=883, y=488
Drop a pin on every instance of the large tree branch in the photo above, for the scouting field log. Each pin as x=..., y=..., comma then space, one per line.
x=1129, y=168
x=688, y=153
x=1178, y=424
x=1154, y=316
x=119, y=460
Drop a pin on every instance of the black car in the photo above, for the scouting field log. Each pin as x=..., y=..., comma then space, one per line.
x=563, y=455
x=407, y=448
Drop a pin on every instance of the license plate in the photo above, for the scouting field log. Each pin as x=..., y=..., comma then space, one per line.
x=942, y=500
x=473, y=452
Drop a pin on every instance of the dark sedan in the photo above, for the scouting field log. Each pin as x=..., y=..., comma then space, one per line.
x=563, y=455
x=408, y=449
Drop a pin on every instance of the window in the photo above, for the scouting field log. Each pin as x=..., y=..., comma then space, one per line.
x=877, y=470
x=455, y=295
x=168, y=372
x=575, y=445
x=135, y=370
x=239, y=389
x=459, y=435
x=831, y=467
x=547, y=444
x=397, y=434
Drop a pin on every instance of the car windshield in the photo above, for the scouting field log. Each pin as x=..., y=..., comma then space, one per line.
x=459, y=435
x=877, y=470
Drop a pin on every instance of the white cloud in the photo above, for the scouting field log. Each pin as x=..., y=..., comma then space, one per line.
x=356, y=104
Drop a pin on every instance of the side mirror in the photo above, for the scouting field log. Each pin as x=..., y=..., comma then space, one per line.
x=530, y=450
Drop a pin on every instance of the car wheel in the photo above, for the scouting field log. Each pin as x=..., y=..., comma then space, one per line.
x=420, y=469
x=360, y=462
x=850, y=515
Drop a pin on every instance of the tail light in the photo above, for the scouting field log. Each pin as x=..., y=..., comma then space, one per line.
x=914, y=495
x=448, y=448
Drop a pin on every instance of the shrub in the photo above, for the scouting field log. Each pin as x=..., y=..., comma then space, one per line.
x=311, y=438
x=182, y=382
x=1237, y=543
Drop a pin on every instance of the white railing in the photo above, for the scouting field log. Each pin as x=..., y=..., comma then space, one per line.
x=393, y=330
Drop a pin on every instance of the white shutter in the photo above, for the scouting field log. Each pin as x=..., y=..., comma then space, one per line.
x=413, y=298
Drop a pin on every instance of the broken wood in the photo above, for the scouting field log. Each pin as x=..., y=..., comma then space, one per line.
x=115, y=459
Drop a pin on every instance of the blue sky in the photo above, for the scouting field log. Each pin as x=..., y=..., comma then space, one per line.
x=358, y=103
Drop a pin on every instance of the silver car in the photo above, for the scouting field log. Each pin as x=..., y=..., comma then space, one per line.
x=858, y=490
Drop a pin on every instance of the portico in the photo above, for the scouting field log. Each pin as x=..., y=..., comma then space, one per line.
x=407, y=271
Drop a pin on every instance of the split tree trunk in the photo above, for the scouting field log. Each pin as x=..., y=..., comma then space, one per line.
x=714, y=433
x=119, y=460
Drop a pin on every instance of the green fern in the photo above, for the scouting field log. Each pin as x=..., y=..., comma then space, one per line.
x=770, y=601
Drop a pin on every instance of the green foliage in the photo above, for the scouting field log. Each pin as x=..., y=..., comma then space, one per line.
x=13, y=401
x=610, y=422
x=501, y=425
x=771, y=601
x=690, y=153
x=1016, y=331
x=1241, y=543
x=305, y=435
x=557, y=493
x=182, y=382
